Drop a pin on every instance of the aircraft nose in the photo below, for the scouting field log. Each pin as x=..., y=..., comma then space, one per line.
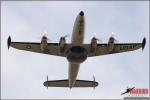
x=81, y=13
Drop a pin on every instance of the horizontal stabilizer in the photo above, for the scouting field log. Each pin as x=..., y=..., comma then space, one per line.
x=65, y=83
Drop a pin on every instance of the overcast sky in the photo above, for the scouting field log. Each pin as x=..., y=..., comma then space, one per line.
x=23, y=72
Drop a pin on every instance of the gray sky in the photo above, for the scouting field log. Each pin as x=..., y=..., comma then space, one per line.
x=23, y=72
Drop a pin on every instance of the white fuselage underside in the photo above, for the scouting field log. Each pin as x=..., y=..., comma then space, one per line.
x=76, y=40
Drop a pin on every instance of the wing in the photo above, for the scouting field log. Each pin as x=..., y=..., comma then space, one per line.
x=51, y=49
x=103, y=49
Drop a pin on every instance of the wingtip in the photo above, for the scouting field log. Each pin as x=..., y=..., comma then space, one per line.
x=46, y=84
x=143, y=43
x=9, y=42
x=95, y=83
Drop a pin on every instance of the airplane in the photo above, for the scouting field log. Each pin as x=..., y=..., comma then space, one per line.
x=75, y=52
x=128, y=90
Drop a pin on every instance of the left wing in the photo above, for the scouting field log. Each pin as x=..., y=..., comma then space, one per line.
x=51, y=49
x=103, y=49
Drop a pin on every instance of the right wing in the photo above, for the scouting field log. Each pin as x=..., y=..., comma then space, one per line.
x=103, y=49
x=65, y=83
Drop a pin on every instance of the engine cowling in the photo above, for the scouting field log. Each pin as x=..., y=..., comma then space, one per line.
x=62, y=42
x=93, y=44
x=43, y=44
x=111, y=43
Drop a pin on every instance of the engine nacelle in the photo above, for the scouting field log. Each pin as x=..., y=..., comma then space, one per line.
x=111, y=43
x=43, y=44
x=62, y=42
x=93, y=44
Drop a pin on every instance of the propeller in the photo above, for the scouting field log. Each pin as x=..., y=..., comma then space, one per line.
x=94, y=36
x=113, y=36
x=47, y=81
x=94, y=81
x=65, y=36
x=45, y=35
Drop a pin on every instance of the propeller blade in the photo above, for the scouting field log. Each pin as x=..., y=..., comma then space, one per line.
x=47, y=77
x=94, y=35
x=113, y=35
x=98, y=39
x=48, y=39
x=94, y=81
x=67, y=35
x=47, y=81
x=116, y=41
x=45, y=35
x=45, y=32
x=93, y=78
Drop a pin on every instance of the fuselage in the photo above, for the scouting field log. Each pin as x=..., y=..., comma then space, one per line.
x=77, y=54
